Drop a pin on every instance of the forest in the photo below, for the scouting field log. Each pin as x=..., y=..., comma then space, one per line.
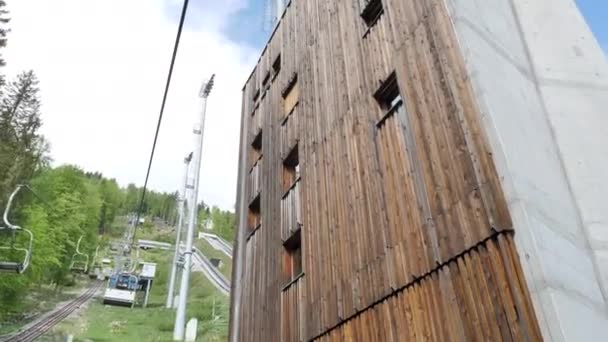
x=65, y=202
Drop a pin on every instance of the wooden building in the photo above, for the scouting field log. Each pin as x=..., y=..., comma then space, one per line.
x=369, y=204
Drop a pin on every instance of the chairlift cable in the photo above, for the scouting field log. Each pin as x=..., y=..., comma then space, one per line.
x=160, y=116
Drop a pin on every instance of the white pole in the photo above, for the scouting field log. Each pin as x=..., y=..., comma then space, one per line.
x=180, y=317
x=178, y=232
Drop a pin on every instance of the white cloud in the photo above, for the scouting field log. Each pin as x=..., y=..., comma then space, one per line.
x=102, y=67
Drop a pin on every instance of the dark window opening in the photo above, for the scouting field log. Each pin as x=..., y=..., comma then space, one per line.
x=291, y=169
x=256, y=95
x=372, y=12
x=292, y=262
x=266, y=82
x=293, y=80
x=254, y=218
x=276, y=66
x=291, y=95
x=388, y=95
x=256, y=146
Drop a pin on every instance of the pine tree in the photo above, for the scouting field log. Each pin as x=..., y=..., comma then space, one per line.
x=23, y=150
x=3, y=29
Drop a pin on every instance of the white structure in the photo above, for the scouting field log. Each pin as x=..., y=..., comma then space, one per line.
x=121, y=290
x=207, y=224
x=181, y=209
x=180, y=317
x=217, y=243
x=149, y=244
x=147, y=274
x=148, y=270
x=541, y=81
x=191, y=328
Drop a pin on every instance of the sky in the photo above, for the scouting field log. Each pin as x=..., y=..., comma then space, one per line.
x=102, y=67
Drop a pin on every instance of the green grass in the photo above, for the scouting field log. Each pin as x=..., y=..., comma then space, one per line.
x=40, y=300
x=154, y=323
x=210, y=252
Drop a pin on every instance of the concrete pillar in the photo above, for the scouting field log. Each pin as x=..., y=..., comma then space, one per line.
x=541, y=81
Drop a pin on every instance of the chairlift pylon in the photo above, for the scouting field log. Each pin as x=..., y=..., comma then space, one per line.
x=15, y=266
x=80, y=261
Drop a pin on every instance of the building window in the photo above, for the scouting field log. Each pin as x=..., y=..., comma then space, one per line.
x=254, y=218
x=265, y=83
x=256, y=147
x=372, y=11
x=389, y=98
x=292, y=260
x=291, y=95
x=256, y=95
x=291, y=169
x=276, y=67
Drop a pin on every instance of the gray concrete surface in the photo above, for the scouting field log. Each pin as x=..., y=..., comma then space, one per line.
x=541, y=81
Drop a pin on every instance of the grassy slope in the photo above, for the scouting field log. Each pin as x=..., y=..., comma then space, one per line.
x=155, y=323
x=39, y=301
x=211, y=252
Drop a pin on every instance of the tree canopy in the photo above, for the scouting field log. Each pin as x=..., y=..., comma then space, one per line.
x=222, y=221
x=67, y=202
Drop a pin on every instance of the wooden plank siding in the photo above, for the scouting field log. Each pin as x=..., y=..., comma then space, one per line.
x=406, y=234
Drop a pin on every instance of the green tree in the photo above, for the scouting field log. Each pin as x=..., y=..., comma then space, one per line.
x=223, y=221
x=112, y=198
x=23, y=150
x=4, y=20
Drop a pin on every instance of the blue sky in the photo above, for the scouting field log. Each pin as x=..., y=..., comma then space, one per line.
x=246, y=26
x=221, y=36
x=596, y=13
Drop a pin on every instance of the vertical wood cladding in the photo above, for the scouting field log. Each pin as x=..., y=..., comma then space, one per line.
x=405, y=231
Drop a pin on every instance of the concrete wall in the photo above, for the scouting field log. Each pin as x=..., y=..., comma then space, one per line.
x=542, y=84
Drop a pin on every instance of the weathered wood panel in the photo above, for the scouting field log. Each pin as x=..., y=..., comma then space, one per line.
x=292, y=299
x=476, y=297
x=405, y=229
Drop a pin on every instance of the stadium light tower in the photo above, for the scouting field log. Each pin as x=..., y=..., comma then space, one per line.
x=180, y=316
x=178, y=231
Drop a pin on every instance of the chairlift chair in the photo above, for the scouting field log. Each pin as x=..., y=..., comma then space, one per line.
x=14, y=230
x=80, y=261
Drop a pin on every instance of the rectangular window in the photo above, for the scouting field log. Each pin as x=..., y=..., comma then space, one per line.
x=388, y=95
x=255, y=122
x=291, y=95
x=276, y=66
x=256, y=147
x=256, y=95
x=291, y=169
x=266, y=82
x=254, y=218
x=372, y=11
x=292, y=261
x=389, y=98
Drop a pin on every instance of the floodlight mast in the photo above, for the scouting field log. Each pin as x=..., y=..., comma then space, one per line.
x=178, y=233
x=180, y=317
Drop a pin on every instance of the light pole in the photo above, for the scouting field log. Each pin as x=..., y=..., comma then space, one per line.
x=178, y=232
x=180, y=317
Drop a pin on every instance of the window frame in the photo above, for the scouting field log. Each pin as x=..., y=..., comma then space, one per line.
x=291, y=85
x=257, y=147
x=293, y=247
x=389, y=98
x=276, y=66
x=371, y=13
x=254, y=213
x=291, y=174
